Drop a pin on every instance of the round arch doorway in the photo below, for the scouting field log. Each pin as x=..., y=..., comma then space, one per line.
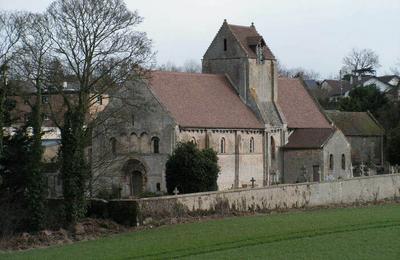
x=136, y=183
x=135, y=173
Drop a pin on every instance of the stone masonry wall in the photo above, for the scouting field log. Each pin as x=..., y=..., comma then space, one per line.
x=357, y=190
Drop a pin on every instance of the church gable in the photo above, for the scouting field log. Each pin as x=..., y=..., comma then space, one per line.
x=236, y=41
x=225, y=45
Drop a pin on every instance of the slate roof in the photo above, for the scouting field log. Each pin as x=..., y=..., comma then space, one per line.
x=311, y=84
x=338, y=87
x=248, y=36
x=386, y=79
x=356, y=123
x=311, y=138
x=298, y=106
x=202, y=100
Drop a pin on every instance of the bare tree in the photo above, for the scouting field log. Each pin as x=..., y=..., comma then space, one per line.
x=169, y=66
x=297, y=72
x=361, y=62
x=29, y=66
x=191, y=66
x=396, y=69
x=97, y=42
x=11, y=29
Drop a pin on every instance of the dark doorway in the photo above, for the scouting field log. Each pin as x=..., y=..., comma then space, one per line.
x=316, y=175
x=135, y=173
x=136, y=183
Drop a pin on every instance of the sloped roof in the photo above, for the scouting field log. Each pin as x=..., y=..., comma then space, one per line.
x=386, y=79
x=311, y=138
x=311, y=84
x=248, y=36
x=355, y=123
x=338, y=87
x=202, y=100
x=298, y=107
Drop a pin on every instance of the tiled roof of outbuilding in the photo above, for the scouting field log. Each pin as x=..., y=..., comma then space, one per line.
x=356, y=123
x=298, y=107
x=311, y=138
x=202, y=100
x=247, y=36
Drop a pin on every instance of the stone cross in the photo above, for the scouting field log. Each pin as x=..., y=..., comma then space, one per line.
x=176, y=191
x=252, y=182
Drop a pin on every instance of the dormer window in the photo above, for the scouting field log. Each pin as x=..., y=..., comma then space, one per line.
x=225, y=45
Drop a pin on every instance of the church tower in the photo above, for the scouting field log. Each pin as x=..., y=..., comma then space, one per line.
x=241, y=53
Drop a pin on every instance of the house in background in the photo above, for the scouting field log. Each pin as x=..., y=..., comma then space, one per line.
x=334, y=90
x=365, y=135
x=387, y=84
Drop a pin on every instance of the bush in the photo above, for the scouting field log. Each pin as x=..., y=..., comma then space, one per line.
x=123, y=212
x=190, y=170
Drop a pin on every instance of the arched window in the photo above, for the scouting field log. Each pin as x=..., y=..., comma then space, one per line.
x=194, y=141
x=155, y=141
x=113, y=144
x=331, y=161
x=343, y=162
x=273, y=149
x=134, y=142
x=251, y=145
x=222, y=146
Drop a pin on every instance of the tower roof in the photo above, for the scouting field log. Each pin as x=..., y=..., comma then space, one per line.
x=248, y=37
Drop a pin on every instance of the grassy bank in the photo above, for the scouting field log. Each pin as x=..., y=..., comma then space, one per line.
x=348, y=233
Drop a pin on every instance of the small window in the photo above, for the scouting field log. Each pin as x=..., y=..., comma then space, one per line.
x=225, y=45
x=46, y=117
x=343, y=162
x=222, y=148
x=251, y=145
x=156, y=144
x=45, y=99
x=99, y=99
x=158, y=186
x=113, y=143
x=133, y=120
x=331, y=161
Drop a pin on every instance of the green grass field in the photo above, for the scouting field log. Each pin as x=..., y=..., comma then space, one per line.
x=352, y=233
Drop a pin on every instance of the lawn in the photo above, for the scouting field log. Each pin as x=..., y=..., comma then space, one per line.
x=348, y=233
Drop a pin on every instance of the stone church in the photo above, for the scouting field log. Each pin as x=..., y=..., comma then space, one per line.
x=263, y=127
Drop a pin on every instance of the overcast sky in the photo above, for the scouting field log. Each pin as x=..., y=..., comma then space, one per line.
x=313, y=34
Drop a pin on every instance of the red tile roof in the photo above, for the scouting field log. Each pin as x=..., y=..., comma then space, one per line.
x=298, y=107
x=202, y=100
x=312, y=138
x=247, y=36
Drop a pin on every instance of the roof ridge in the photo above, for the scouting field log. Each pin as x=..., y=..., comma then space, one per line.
x=188, y=73
x=237, y=25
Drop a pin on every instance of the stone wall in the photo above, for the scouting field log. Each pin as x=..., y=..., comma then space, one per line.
x=357, y=190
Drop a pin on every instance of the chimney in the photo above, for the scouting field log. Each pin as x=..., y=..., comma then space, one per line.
x=351, y=79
